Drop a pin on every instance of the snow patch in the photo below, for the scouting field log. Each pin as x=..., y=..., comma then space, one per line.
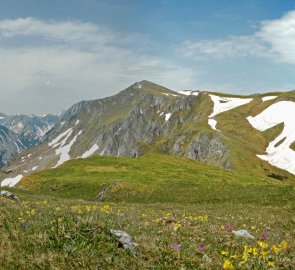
x=268, y=98
x=212, y=123
x=280, y=156
x=90, y=151
x=59, y=137
x=173, y=95
x=167, y=116
x=11, y=182
x=189, y=92
x=77, y=122
x=223, y=104
x=64, y=150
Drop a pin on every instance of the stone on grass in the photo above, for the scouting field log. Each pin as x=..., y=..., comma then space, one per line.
x=9, y=195
x=207, y=259
x=125, y=240
x=243, y=233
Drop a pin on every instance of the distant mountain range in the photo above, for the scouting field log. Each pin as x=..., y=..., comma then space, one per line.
x=249, y=134
x=20, y=132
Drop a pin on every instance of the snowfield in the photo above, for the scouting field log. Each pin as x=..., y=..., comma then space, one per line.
x=268, y=98
x=11, y=182
x=223, y=104
x=189, y=92
x=279, y=153
x=64, y=150
x=59, y=137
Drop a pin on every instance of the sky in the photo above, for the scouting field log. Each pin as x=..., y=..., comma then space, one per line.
x=56, y=53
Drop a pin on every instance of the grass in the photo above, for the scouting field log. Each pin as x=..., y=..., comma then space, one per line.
x=156, y=178
x=181, y=214
x=51, y=233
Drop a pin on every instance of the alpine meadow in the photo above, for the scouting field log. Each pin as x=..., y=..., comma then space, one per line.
x=166, y=173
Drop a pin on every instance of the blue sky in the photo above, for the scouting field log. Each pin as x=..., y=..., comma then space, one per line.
x=55, y=53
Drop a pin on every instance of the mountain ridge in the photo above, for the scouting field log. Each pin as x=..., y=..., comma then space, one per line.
x=146, y=117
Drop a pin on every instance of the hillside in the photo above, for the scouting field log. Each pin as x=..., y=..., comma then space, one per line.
x=182, y=214
x=155, y=178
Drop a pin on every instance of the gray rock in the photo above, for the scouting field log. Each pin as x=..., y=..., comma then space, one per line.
x=206, y=259
x=125, y=240
x=209, y=148
x=9, y=195
x=243, y=233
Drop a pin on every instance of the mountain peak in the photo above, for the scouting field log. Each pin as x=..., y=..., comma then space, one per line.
x=150, y=87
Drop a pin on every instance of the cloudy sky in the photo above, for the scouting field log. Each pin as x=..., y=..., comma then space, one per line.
x=58, y=52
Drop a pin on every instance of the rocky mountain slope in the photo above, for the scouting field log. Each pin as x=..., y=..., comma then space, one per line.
x=9, y=145
x=211, y=127
x=30, y=128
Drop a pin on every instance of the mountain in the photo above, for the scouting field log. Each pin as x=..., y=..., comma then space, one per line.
x=9, y=145
x=29, y=128
x=219, y=129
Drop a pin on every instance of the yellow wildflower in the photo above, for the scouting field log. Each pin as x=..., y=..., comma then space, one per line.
x=262, y=244
x=263, y=254
x=275, y=249
x=106, y=209
x=254, y=251
x=270, y=264
x=227, y=265
x=283, y=245
x=224, y=253
x=235, y=257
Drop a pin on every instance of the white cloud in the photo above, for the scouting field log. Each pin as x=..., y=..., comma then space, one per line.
x=77, y=61
x=274, y=40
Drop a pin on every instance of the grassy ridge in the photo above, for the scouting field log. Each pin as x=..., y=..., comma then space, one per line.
x=156, y=178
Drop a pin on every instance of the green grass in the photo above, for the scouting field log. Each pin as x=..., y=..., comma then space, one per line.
x=160, y=201
x=52, y=233
x=156, y=178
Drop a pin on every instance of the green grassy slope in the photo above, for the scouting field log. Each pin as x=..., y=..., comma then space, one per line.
x=156, y=178
x=176, y=210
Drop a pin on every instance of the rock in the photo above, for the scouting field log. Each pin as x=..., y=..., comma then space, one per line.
x=125, y=240
x=207, y=259
x=243, y=233
x=209, y=148
x=9, y=195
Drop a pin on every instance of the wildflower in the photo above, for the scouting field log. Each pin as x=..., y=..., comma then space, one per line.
x=275, y=249
x=254, y=251
x=201, y=247
x=106, y=209
x=263, y=254
x=175, y=246
x=283, y=245
x=228, y=227
x=235, y=257
x=262, y=244
x=271, y=264
x=225, y=253
x=176, y=226
x=227, y=265
x=264, y=234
